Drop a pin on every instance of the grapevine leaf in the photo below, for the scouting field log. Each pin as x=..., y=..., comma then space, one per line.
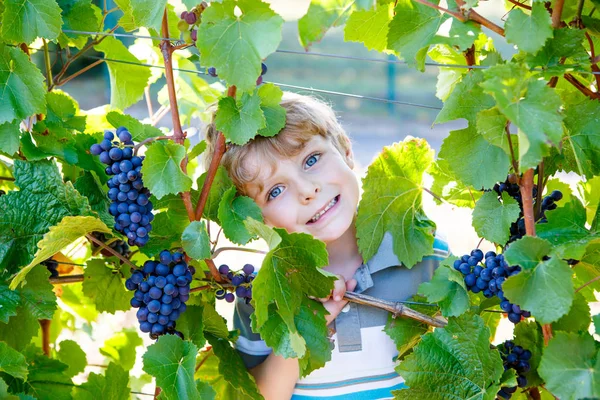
x=491, y=124
x=9, y=137
x=234, y=45
x=78, y=15
x=461, y=34
x=529, y=32
x=12, y=362
x=172, y=361
x=72, y=295
x=121, y=348
x=573, y=377
x=161, y=170
x=197, y=150
x=37, y=296
x=232, y=367
x=71, y=354
x=191, y=324
x=578, y=317
x=20, y=329
x=447, y=288
x=412, y=30
x=148, y=13
x=21, y=84
x=105, y=287
x=528, y=334
x=214, y=323
x=209, y=381
x=59, y=237
x=466, y=100
x=473, y=159
x=392, y=203
x=447, y=77
x=89, y=186
x=25, y=20
x=9, y=301
x=437, y=368
x=406, y=332
x=240, y=120
x=587, y=269
x=112, y=385
x=492, y=218
x=566, y=230
x=233, y=211
x=86, y=160
x=266, y=233
x=543, y=287
x=370, y=27
x=167, y=228
x=531, y=105
x=139, y=131
x=449, y=187
x=583, y=139
x=195, y=240
x=270, y=97
x=566, y=43
x=596, y=319
x=127, y=81
x=589, y=190
x=220, y=185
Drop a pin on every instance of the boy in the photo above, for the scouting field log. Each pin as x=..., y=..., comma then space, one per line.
x=302, y=180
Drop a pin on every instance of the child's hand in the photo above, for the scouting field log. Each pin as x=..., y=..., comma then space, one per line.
x=334, y=302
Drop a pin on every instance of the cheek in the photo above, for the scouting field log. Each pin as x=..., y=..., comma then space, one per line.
x=279, y=215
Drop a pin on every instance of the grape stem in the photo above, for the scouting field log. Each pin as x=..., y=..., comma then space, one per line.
x=110, y=250
x=221, y=249
x=45, y=323
x=49, y=81
x=148, y=140
x=148, y=101
x=519, y=4
x=514, y=161
x=540, y=189
x=160, y=113
x=476, y=17
x=594, y=65
x=205, y=358
x=156, y=392
x=61, y=280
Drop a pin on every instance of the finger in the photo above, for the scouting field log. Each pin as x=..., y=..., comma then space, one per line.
x=351, y=284
x=339, y=288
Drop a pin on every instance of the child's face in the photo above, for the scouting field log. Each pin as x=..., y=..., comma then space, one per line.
x=296, y=191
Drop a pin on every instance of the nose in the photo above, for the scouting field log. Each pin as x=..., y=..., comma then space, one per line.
x=307, y=190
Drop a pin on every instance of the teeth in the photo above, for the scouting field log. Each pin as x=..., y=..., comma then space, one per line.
x=319, y=214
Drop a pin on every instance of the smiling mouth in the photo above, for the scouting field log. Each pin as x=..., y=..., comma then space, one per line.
x=318, y=215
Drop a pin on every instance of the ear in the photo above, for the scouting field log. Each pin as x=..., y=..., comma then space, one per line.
x=349, y=153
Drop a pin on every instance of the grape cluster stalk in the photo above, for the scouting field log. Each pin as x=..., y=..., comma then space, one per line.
x=130, y=205
x=242, y=281
x=487, y=277
x=161, y=290
x=117, y=245
x=517, y=358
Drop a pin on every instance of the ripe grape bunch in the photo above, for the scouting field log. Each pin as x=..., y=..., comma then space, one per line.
x=130, y=205
x=212, y=71
x=52, y=266
x=161, y=290
x=242, y=281
x=189, y=22
x=517, y=358
x=488, y=278
x=117, y=245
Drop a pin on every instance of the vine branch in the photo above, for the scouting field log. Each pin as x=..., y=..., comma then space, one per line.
x=148, y=140
x=588, y=283
x=45, y=324
x=48, y=64
x=76, y=74
x=519, y=4
x=476, y=17
x=594, y=65
x=581, y=87
x=110, y=250
x=557, y=13
x=515, y=163
x=221, y=249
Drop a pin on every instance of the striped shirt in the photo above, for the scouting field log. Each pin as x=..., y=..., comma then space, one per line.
x=363, y=360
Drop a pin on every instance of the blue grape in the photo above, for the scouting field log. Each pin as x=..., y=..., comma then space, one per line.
x=154, y=306
x=179, y=269
x=248, y=269
x=165, y=257
x=145, y=327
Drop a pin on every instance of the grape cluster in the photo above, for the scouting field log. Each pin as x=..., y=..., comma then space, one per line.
x=52, y=266
x=242, y=281
x=517, y=358
x=212, y=71
x=189, y=22
x=488, y=277
x=130, y=205
x=117, y=245
x=161, y=290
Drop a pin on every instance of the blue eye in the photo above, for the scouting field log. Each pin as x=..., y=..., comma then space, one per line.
x=312, y=160
x=275, y=192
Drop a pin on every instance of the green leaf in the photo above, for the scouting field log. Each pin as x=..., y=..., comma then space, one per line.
x=437, y=368
x=232, y=367
x=406, y=332
x=240, y=120
x=220, y=185
x=127, y=81
x=161, y=169
x=233, y=211
x=47, y=378
x=12, y=362
x=596, y=319
x=473, y=159
x=191, y=324
x=491, y=124
x=529, y=32
x=587, y=269
x=25, y=20
x=21, y=84
x=234, y=45
x=412, y=30
x=89, y=186
x=392, y=203
x=447, y=185
x=583, y=139
x=447, y=288
x=10, y=134
x=565, y=43
x=447, y=78
x=270, y=97
x=528, y=334
x=466, y=100
x=577, y=319
x=20, y=329
x=112, y=385
x=37, y=296
x=58, y=237
x=370, y=27
x=148, y=13
x=139, y=132
x=320, y=17
x=172, y=361
x=214, y=323
x=551, y=277
x=195, y=240
x=573, y=377
x=71, y=354
x=9, y=301
x=72, y=296
x=121, y=348
x=461, y=34
x=197, y=150
x=167, y=228
x=105, y=287
x=492, y=218
x=78, y=15
x=265, y=232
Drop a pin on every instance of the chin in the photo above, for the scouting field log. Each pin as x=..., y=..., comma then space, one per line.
x=334, y=231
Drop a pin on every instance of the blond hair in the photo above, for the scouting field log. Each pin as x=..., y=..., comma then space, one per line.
x=306, y=117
